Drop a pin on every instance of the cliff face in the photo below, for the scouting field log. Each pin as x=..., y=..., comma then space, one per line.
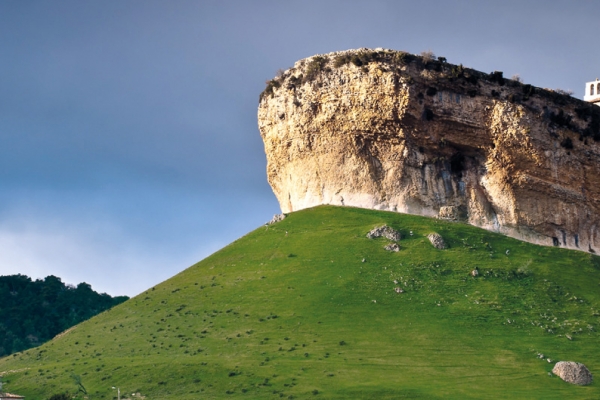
x=393, y=131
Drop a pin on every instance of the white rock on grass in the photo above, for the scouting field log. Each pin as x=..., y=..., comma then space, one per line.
x=276, y=218
x=385, y=231
x=572, y=372
x=392, y=247
x=437, y=240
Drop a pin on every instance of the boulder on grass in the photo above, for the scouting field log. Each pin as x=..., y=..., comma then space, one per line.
x=572, y=372
x=276, y=218
x=392, y=247
x=437, y=240
x=385, y=231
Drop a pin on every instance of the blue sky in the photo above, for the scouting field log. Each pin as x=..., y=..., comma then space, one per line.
x=129, y=146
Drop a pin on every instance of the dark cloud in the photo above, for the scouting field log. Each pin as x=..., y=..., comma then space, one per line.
x=128, y=129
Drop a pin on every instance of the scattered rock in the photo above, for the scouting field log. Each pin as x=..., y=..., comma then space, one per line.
x=475, y=272
x=363, y=260
x=392, y=247
x=572, y=372
x=385, y=231
x=276, y=218
x=398, y=290
x=437, y=240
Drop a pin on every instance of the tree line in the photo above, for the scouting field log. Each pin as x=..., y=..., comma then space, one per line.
x=34, y=311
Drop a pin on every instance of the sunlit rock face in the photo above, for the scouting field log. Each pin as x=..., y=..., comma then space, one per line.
x=388, y=130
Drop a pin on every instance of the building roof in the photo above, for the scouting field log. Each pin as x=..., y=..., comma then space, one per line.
x=594, y=99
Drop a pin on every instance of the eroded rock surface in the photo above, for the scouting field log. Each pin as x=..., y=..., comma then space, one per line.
x=572, y=372
x=392, y=131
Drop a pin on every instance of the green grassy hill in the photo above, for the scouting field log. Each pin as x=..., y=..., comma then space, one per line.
x=292, y=311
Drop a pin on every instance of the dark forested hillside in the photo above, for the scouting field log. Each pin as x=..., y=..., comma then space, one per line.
x=32, y=312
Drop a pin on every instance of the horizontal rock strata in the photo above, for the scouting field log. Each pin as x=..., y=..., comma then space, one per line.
x=388, y=130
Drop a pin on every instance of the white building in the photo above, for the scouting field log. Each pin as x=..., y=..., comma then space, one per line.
x=592, y=92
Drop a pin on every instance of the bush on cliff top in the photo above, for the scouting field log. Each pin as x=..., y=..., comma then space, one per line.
x=315, y=67
x=269, y=90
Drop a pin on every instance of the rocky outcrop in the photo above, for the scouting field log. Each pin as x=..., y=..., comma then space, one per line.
x=392, y=131
x=393, y=247
x=437, y=240
x=276, y=218
x=572, y=372
x=386, y=232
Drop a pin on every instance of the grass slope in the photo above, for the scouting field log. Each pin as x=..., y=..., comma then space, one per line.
x=291, y=311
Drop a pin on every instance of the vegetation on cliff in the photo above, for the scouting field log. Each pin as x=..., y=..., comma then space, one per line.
x=310, y=69
x=34, y=311
x=308, y=308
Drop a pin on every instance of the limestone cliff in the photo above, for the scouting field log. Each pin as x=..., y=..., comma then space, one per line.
x=388, y=130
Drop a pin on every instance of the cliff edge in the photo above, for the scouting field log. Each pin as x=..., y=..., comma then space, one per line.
x=393, y=131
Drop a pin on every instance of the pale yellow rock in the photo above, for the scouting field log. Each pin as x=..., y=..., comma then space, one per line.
x=420, y=139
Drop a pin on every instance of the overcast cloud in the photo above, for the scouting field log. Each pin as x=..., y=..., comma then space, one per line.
x=129, y=146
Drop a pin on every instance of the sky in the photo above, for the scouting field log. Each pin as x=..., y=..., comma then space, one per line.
x=129, y=147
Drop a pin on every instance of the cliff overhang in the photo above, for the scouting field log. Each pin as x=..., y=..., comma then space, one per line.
x=389, y=130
